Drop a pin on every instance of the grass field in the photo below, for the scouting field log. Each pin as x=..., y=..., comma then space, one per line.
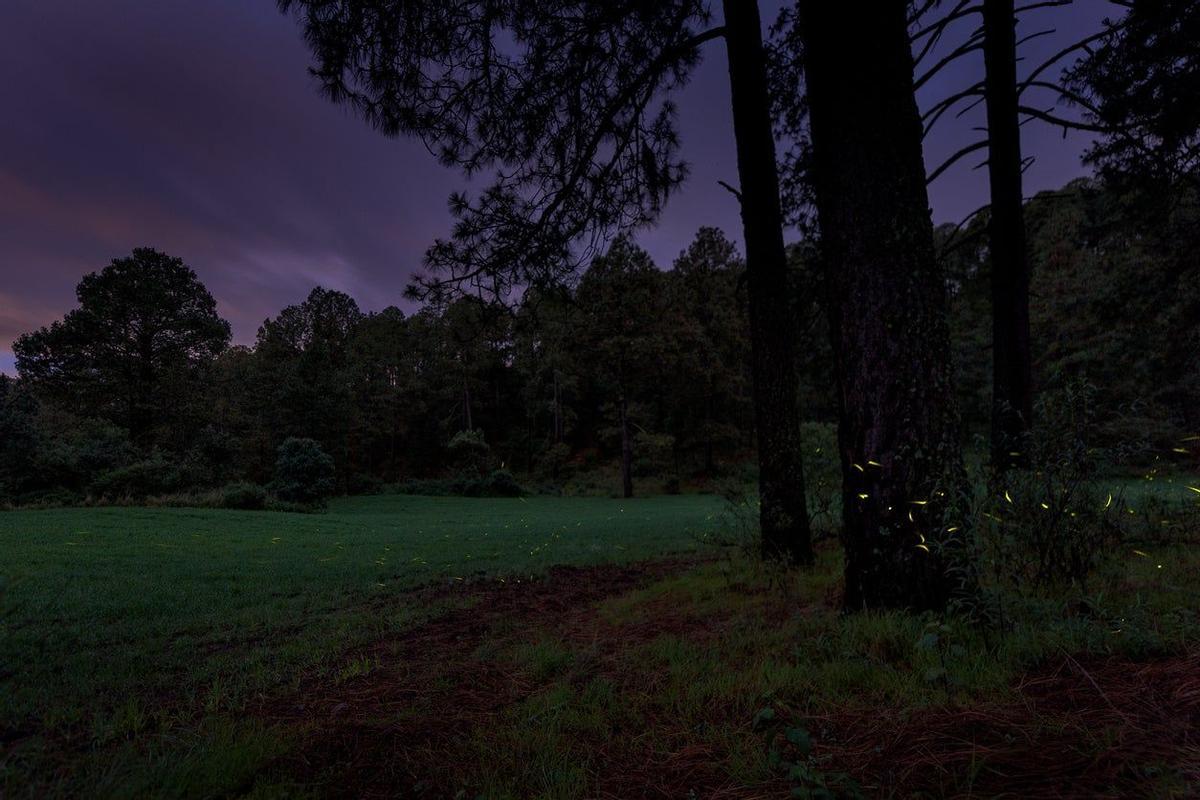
x=125, y=627
x=434, y=645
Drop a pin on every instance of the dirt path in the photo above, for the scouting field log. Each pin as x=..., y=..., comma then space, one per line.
x=383, y=734
x=1094, y=729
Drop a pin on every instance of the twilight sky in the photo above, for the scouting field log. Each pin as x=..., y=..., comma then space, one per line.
x=192, y=126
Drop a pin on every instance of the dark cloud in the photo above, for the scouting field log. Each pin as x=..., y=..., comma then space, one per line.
x=193, y=127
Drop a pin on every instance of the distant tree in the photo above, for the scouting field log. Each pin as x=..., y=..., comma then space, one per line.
x=136, y=350
x=622, y=301
x=304, y=473
x=475, y=335
x=1117, y=304
x=898, y=433
x=710, y=370
x=569, y=103
x=543, y=330
x=305, y=356
x=387, y=391
x=18, y=438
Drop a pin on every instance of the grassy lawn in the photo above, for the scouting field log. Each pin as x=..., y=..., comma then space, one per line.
x=131, y=637
x=399, y=645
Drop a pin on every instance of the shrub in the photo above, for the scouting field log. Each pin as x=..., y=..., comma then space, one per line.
x=363, y=483
x=151, y=476
x=822, y=474
x=654, y=453
x=244, y=496
x=304, y=473
x=672, y=485
x=469, y=452
x=503, y=483
x=554, y=461
x=1052, y=524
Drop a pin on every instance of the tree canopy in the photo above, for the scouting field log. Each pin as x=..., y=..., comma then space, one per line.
x=134, y=351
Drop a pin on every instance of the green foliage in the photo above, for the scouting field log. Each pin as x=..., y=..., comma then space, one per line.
x=151, y=476
x=244, y=496
x=1114, y=302
x=790, y=755
x=469, y=452
x=135, y=351
x=503, y=483
x=1137, y=84
x=304, y=473
x=655, y=453
x=1052, y=524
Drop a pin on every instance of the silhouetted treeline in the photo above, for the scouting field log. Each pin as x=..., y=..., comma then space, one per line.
x=138, y=391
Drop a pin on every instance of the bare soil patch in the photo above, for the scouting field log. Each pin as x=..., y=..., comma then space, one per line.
x=1096, y=729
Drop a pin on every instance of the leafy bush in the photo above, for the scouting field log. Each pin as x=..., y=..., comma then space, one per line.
x=469, y=452
x=244, y=496
x=364, y=484
x=1050, y=525
x=304, y=473
x=73, y=452
x=654, y=453
x=503, y=483
x=151, y=476
x=500, y=483
x=430, y=487
x=554, y=461
x=822, y=474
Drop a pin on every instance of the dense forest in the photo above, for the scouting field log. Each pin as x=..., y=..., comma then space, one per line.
x=635, y=372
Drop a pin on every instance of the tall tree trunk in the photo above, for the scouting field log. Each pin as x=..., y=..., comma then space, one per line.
x=783, y=515
x=1012, y=373
x=467, y=407
x=626, y=449
x=898, y=432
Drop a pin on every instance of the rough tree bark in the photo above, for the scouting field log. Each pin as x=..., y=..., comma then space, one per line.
x=898, y=432
x=784, y=513
x=1012, y=373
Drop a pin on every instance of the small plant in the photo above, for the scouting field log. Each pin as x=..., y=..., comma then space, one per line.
x=938, y=638
x=304, y=473
x=790, y=753
x=1052, y=523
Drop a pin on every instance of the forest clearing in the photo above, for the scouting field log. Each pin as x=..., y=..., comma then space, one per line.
x=557, y=647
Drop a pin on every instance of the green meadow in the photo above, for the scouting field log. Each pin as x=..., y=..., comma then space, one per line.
x=164, y=652
x=123, y=626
